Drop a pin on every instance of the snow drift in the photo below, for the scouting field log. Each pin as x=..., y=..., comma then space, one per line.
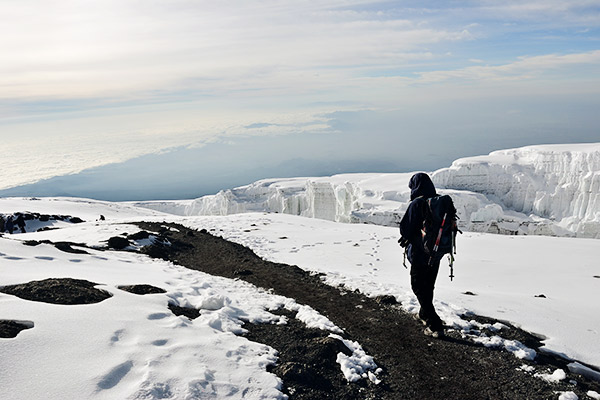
x=543, y=190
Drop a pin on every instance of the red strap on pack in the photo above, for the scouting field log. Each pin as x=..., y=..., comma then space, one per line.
x=439, y=236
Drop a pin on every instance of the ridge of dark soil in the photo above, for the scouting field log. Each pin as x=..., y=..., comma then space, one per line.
x=65, y=291
x=414, y=365
x=141, y=289
x=10, y=328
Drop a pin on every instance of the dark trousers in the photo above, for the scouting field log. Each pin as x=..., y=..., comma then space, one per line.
x=422, y=279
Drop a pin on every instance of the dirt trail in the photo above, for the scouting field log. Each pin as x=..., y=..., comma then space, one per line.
x=414, y=365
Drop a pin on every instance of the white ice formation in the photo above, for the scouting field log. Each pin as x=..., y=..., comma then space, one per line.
x=557, y=185
x=543, y=190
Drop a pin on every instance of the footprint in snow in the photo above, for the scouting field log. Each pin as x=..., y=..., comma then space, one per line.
x=156, y=316
x=45, y=258
x=117, y=336
x=198, y=388
x=154, y=390
x=114, y=376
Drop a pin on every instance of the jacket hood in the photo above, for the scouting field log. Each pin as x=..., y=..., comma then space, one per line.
x=420, y=184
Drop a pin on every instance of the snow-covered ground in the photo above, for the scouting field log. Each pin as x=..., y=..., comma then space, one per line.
x=132, y=346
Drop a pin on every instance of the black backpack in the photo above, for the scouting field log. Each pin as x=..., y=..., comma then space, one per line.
x=439, y=230
x=439, y=227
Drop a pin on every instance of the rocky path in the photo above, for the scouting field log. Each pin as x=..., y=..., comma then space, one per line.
x=414, y=366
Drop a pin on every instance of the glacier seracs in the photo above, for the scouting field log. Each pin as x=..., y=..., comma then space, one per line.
x=558, y=186
x=541, y=190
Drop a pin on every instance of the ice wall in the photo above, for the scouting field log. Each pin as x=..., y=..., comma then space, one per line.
x=341, y=198
x=356, y=198
x=556, y=183
x=540, y=190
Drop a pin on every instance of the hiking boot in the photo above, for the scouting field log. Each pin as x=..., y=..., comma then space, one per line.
x=438, y=333
x=418, y=318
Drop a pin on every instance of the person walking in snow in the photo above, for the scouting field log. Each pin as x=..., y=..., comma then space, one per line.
x=423, y=273
x=20, y=221
x=9, y=225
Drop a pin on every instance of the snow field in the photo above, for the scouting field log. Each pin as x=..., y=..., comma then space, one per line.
x=129, y=346
x=132, y=346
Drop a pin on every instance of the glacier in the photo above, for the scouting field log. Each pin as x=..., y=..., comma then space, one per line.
x=549, y=190
x=558, y=186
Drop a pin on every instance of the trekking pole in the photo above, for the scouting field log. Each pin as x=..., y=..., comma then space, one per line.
x=451, y=255
x=398, y=220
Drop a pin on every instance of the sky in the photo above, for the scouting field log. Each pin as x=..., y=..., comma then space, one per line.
x=143, y=99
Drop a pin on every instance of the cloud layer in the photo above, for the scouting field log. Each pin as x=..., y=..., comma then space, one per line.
x=132, y=50
x=84, y=84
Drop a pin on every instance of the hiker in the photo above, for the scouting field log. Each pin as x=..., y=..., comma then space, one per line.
x=9, y=225
x=20, y=221
x=424, y=270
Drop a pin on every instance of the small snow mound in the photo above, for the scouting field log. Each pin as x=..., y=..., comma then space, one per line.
x=526, y=368
x=214, y=302
x=593, y=394
x=313, y=319
x=515, y=347
x=568, y=396
x=555, y=377
x=359, y=365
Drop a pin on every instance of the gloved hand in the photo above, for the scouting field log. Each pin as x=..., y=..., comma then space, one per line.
x=403, y=242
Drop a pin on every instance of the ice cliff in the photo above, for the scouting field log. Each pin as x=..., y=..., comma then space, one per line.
x=557, y=186
x=544, y=190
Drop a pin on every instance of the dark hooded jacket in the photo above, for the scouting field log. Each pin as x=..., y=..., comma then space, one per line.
x=421, y=188
x=9, y=225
